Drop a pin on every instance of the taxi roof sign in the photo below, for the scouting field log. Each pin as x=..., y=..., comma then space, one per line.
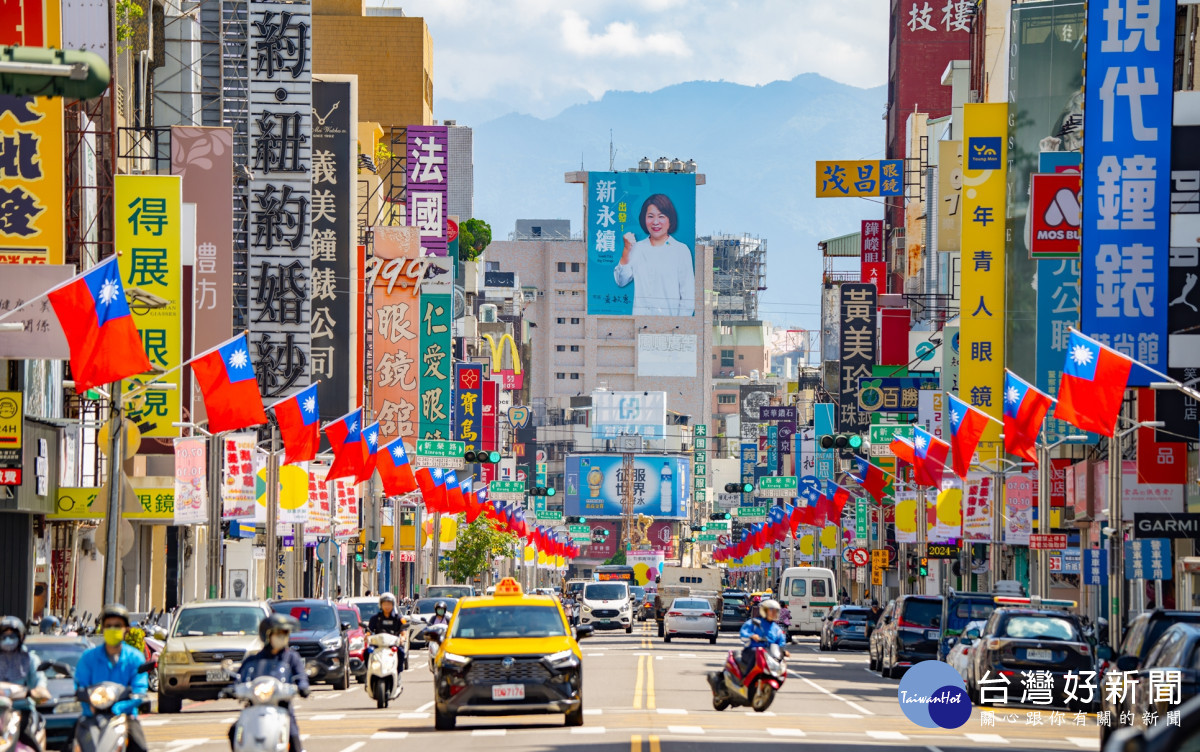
x=508, y=586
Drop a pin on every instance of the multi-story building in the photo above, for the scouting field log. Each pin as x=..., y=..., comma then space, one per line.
x=460, y=175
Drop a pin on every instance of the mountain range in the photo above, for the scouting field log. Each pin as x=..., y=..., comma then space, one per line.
x=756, y=145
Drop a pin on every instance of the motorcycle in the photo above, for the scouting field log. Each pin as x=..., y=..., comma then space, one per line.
x=757, y=688
x=105, y=730
x=437, y=631
x=264, y=724
x=12, y=695
x=383, y=669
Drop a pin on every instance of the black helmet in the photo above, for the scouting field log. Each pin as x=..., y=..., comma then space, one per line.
x=115, y=611
x=440, y=605
x=15, y=624
x=49, y=625
x=276, y=623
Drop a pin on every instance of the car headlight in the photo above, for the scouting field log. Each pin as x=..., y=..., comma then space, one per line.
x=563, y=659
x=173, y=656
x=454, y=660
x=587, y=609
x=103, y=696
x=356, y=644
x=67, y=708
x=331, y=642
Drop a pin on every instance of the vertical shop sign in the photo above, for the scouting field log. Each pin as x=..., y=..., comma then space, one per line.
x=468, y=405
x=859, y=332
x=395, y=274
x=426, y=158
x=320, y=515
x=191, y=481
x=435, y=365
x=949, y=209
x=237, y=478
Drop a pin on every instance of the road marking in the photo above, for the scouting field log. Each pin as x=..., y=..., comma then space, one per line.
x=651, y=703
x=639, y=682
x=355, y=746
x=851, y=703
x=154, y=721
x=485, y=732
x=654, y=744
x=793, y=732
x=672, y=711
x=850, y=716
x=588, y=730
x=685, y=729
x=823, y=659
x=412, y=716
x=418, y=666
x=230, y=719
x=635, y=743
x=932, y=748
x=389, y=735
x=593, y=711
x=858, y=707
x=687, y=655
x=328, y=717
x=594, y=655
x=426, y=706
x=766, y=713
x=987, y=738
x=891, y=736
x=659, y=657
x=1079, y=741
x=334, y=695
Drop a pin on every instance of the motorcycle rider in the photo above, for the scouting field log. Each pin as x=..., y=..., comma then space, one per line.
x=116, y=661
x=18, y=666
x=278, y=660
x=439, y=614
x=388, y=620
x=50, y=625
x=761, y=631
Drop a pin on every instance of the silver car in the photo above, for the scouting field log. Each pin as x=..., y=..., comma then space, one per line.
x=690, y=617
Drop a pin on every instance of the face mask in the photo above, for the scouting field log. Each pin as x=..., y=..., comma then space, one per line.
x=441, y=612
x=113, y=636
x=279, y=641
x=9, y=643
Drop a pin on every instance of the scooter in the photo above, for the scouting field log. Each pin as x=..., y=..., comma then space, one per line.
x=264, y=724
x=757, y=688
x=12, y=695
x=383, y=669
x=105, y=730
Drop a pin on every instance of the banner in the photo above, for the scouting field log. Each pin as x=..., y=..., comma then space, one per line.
x=858, y=343
x=191, y=481
x=491, y=428
x=667, y=355
x=320, y=515
x=906, y=516
x=396, y=346
x=1126, y=167
x=597, y=485
x=641, y=236
x=435, y=365
x=345, y=523
x=149, y=216
x=981, y=327
x=1018, y=509
x=977, y=508
x=629, y=414
x=237, y=476
x=856, y=178
x=428, y=177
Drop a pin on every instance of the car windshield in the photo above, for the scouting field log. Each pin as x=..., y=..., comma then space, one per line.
x=968, y=611
x=368, y=609
x=313, y=618
x=1041, y=628
x=604, y=592
x=922, y=613
x=448, y=591
x=736, y=600
x=427, y=605
x=691, y=603
x=854, y=613
x=638, y=592
x=495, y=622
x=348, y=617
x=217, y=620
x=57, y=652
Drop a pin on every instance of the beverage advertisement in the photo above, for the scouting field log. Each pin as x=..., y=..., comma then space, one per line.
x=598, y=484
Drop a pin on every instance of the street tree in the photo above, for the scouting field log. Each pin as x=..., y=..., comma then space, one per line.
x=474, y=236
x=478, y=543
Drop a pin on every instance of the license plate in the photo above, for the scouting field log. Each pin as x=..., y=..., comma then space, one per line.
x=1039, y=655
x=216, y=675
x=691, y=618
x=508, y=692
x=818, y=614
x=933, y=634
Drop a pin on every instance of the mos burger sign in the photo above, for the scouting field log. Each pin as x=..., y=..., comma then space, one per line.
x=1166, y=525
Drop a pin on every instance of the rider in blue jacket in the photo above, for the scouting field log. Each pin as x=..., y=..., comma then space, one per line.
x=761, y=631
x=115, y=661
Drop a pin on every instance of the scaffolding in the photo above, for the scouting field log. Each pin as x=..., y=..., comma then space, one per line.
x=739, y=275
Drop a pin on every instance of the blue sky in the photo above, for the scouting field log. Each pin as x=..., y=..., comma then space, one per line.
x=540, y=56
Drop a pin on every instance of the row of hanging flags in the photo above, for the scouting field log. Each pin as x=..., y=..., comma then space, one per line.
x=1090, y=395
x=106, y=346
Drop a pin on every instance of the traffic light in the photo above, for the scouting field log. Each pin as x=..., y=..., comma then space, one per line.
x=720, y=516
x=358, y=552
x=577, y=520
x=739, y=488
x=923, y=567
x=542, y=491
x=697, y=528
x=44, y=72
x=852, y=441
x=481, y=457
x=372, y=549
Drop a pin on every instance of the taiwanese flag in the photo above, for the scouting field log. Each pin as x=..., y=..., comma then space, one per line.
x=299, y=422
x=966, y=427
x=1092, y=387
x=345, y=438
x=226, y=379
x=370, y=449
x=807, y=512
x=496, y=514
x=1025, y=409
x=871, y=478
x=477, y=504
x=795, y=518
x=104, y=341
x=839, y=498
x=930, y=455
x=776, y=523
x=824, y=508
x=433, y=488
x=903, y=450
x=466, y=490
x=454, y=495
x=394, y=470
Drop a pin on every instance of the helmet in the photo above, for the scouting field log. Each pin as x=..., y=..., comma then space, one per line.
x=276, y=623
x=15, y=624
x=769, y=604
x=115, y=611
x=387, y=597
x=440, y=605
x=50, y=625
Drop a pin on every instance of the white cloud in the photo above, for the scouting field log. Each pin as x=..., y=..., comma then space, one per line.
x=619, y=39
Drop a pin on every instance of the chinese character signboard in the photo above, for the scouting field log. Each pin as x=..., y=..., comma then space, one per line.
x=280, y=202
x=629, y=414
x=42, y=335
x=846, y=178
x=871, y=241
x=949, y=209
x=320, y=515
x=857, y=351
x=468, y=405
x=435, y=366
x=597, y=485
x=237, y=476
x=1148, y=559
x=149, y=217
x=892, y=394
x=333, y=246
x=1018, y=510
x=1126, y=167
x=191, y=481
x=396, y=330
x=31, y=157
x=981, y=330
x=426, y=157
x=641, y=238
x=666, y=355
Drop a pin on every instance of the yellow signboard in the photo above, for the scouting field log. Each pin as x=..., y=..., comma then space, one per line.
x=149, y=216
x=11, y=416
x=157, y=504
x=849, y=178
x=876, y=576
x=407, y=537
x=949, y=209
x=981, y=332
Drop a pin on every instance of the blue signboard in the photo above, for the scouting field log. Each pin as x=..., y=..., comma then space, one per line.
x=1126, y=178
x=597, y=483
x=1070, y=561
x=1095, y=570
x=749, y=459
x=772, y=447
x=823, y=416
x=1148, y=559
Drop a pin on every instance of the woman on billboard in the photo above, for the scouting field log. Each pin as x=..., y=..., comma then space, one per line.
x=661, y=265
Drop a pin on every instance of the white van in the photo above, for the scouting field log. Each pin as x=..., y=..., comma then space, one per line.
x=809, y=593
x=606, y=605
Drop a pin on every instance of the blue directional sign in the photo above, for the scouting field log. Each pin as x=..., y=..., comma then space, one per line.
x=1095, y=570
x=1071, y=561
x=1148, y=559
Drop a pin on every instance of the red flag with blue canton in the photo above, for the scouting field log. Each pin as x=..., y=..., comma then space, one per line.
x=454, y=495
x=230, y=389
x=1092, y=386
x=903, y=449
x=838, y=497
x=967, y=425
x=1025, y=410
x=104, y=341
x=929, y=458
x=433, y=488
x=345, y=438
x=477, y=504
x=871, y=478
x=299, y=422
x=395, y=470
x=370, y=449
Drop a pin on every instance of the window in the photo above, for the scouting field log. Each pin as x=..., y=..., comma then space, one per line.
x=574, y=320
x=560, y=348
x=536, y=231
x=574, y=377
x=574, y=267
x=560, y=320
x=560, y=376
x=727, y=358
x=574, y=348
x=574, y=293
x=741, y=357
x=491, y=266
x=726, y=399
x=799, y=588
x=818, y=589
x=562, y=267
x=561, y=293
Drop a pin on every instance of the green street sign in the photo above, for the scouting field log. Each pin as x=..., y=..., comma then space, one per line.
x=700, y=430
x=507, y=486
x=777, y=486
x=861, y=521
x=882, y=435
x=580, y=532
x=549, y=514
x=701, y=442
x=743, y=513
x=718, y=525
x=706, y=537
x=440, y=453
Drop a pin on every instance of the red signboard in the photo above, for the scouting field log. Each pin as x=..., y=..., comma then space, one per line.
x=893, y=336
x=871, y=241
x=1048, y=541
x=10, y=476
x=875, y=273
x=1054, y=213
x=1157, y=461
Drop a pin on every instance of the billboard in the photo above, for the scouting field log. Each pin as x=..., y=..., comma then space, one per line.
x=629, y=414
x=435, y=347
x=1126, y=161
x=468, y=405
x=428, y=190
x=666, y=355
x=396, y=347
x=641, y=236
x=856, y=178
x=949, y=210
x=858, y=342
x=597, y=484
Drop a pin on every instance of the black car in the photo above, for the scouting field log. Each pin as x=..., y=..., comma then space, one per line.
x=1017, y=640
x=911, y=634
x=321, y=639
x=62, y=710
x=962, y=609
x=735, y=611
x=1163, y=737
x=1177, y=650
x=845, y=627
x=1141, y=636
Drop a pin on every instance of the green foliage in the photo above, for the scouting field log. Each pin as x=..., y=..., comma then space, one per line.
x=382, y=156
x=478, y=543
x=618, y=558
x=135, y=637
x=127, y=12
x=474, y=236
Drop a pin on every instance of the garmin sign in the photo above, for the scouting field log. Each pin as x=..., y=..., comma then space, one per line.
x=1161, y=525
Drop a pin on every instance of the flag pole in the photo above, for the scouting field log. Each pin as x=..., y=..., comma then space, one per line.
x=277, y=403
x=159, y=376
x=59, y=286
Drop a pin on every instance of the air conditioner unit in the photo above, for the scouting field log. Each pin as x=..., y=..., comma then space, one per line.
x=488, y=314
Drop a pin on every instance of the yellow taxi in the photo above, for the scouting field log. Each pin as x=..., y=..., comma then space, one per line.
x=508, y=653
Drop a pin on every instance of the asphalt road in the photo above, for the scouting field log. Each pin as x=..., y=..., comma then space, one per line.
x=642, y=695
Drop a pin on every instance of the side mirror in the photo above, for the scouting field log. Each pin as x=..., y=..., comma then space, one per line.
x=972, y=634
x=433, y=634
x=966, y=641
x=60, y=668
x=1104, y=652
x=584, y=631
x=1127, y=663
x=345, y=626
x=364, y=624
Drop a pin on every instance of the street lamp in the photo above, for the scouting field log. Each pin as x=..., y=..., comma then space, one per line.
x=999, y=476
x=1043, y=557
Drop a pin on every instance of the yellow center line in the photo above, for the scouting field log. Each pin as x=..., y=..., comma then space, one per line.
x=654, y=744
x=650, y=703
x=637, y=687
x=635, y=743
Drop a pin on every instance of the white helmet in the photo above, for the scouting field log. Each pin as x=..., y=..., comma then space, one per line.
x=387, y=597
x=769, y=605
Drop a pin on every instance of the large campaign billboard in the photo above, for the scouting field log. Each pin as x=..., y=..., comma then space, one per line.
x=597, y=484
x=641, y=236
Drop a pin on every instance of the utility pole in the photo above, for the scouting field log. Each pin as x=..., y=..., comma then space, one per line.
x=627, y=499
x=272, y=541
x=116, y=451
x=215, y=453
